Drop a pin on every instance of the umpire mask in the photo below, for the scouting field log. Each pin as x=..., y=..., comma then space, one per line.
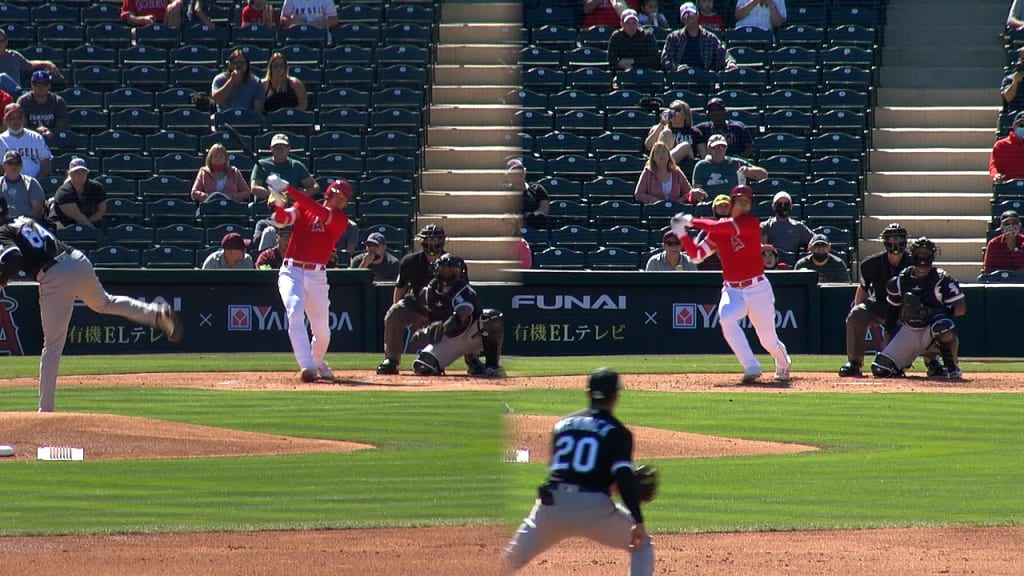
x=922, y=257
x=895, y=244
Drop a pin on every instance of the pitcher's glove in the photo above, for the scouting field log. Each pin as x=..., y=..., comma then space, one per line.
x=646, y=482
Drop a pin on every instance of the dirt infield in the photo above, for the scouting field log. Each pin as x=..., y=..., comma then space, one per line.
x=473, y=550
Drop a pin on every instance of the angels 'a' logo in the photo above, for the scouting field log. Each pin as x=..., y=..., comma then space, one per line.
x=317, y=226
x=737, y=244
x=10, y=342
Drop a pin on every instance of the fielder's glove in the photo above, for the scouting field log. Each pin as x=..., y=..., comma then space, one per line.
x=646, y=482
x=680, y=222
x=277, y=187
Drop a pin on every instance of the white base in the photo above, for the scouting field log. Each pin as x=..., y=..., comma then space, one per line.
x=60, y=453
x=6, y=450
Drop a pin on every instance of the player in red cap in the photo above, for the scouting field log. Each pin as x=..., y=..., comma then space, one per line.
x=746, y=292
x=302, y=279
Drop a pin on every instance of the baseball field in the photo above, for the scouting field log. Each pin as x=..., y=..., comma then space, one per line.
x=194, y=469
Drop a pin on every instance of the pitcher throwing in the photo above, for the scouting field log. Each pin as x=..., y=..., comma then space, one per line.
x=747, y=291
x=302, y=280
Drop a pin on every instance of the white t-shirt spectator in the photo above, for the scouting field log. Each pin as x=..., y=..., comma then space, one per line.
x=761, y=16
x=309, y=11
x=32, y=147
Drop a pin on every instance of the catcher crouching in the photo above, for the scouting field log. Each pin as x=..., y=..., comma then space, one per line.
x=458, y=325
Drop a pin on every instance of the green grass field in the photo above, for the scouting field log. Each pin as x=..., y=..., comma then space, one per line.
x=886, y=459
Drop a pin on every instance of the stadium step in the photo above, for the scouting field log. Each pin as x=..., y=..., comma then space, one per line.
x=463, y=179
x=926, y=203
x=477, y=54
x=950, y=96
x=470, y=94
x=911, y=137
x=926, y=56
x=473, y=136
x=950, y=37
x=934, y=227
x=496, y=248
x=928, y=181
x=950, y=249
x=926, y=76
x=937, y=159
x=472, y=157
x=979, y=14
x=489, y=202
x=473, y=114
x=482, y=12
x=474, y=225
x=472, y=33
x=935, y=116
x=468, y=74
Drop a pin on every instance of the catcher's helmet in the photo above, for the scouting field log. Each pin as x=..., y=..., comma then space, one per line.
x=894, y=237
x=432, y=238
x=742, y=191
x=918, y=249
x=449, y=269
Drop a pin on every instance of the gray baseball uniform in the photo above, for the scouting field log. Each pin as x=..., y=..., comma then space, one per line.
x=922, y=303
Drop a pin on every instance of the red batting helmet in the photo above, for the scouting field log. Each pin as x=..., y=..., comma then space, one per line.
x=338, y=187
x=742, y=191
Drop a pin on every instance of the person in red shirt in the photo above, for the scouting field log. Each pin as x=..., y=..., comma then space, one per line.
x=605, y=12
x=302, y=281
x=258, y=12
x=747, y=292
x=1007, y=159
x=143, y=13
x=1006, y=252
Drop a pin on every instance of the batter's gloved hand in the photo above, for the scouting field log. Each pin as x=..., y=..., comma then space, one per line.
x=276, y=186
x=646, y=482
x=680, y=222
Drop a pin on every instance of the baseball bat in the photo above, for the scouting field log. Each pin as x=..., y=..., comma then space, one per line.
x=246, y=146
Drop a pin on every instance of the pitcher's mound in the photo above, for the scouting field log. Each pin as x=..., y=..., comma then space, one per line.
x=110, y=437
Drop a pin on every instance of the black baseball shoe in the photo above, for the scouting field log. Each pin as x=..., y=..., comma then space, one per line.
x=388, y=366
x=168, y=321
x=935, y=369
x=850, y=369
x=953, y=372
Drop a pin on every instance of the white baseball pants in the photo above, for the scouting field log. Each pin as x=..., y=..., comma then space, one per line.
x=756, y=302
x=305, y=296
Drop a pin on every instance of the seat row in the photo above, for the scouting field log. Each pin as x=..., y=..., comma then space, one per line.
x=657, y=215
x=605, y=188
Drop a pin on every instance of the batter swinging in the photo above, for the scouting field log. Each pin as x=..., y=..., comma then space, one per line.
x=302, y=280
x=747, y=291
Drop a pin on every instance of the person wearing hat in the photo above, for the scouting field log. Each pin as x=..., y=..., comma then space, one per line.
x=721, y=207
x=13, y=66
x=535, y=197
x=785, y=233
x=632, y=46
x=286, y=167
x=316, y=13
x=694, y=47
x=719, y=173
x=736, y=133
x=302, y=281
x=46, y=111
x=377, y=258
x=830, y=269
x=770, y=257
x=675, y=128
x=231, y=256
x=273, y=257
x=23, y=193
x=1006, y=251
x=671, y=257
x=79, y=200
x=605, y=12
x=762, y=14
x=1007, y=159
x=35, y=153
x=594, y=453
x=1013, y=96
x=145, y=13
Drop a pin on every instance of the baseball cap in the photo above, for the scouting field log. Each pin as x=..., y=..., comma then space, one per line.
x=669, y=235
x=629, y=14
x=769, y=248
x=515, y=164
x=1008, y=215
x=339, y=187
x=783, y=195
x=717, y=140
x=818, y=239
x=77, y=164
x=376, y=238
x=12, y=108
x=687, y=9
x=41, y=76
x=11, y=155
x=721, y=199
x=233, y=241
x=279, y=139
x=742, y=190
x=604, y=383
x=715, y=103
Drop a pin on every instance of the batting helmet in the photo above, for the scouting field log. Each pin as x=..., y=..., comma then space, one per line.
x=432, y=238
x=449, y=269
x=340, y=186
x=917, y=249
x=742, y=191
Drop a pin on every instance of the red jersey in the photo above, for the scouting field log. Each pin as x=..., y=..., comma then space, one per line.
x=738, y=243
x=316, y=228
x=999, y=256
x=605, y=15
x=1007, y=157
x=711, y=21
x=158, y=8
x=251, y=15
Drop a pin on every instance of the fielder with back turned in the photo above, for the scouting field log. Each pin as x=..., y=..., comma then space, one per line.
x=591, y=450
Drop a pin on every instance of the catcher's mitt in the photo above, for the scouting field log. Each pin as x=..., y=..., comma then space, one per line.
x=646, y=482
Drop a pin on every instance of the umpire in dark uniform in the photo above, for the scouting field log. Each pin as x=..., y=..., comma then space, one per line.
x=591, y=451
x=415, y=271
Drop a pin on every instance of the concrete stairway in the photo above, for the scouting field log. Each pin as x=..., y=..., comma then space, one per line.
x=934, y=127
x=470, y=136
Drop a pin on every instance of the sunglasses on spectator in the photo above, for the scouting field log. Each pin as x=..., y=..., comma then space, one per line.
x=678, y=109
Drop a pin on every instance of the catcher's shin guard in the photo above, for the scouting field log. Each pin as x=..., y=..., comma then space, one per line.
x=426, y=364
x=492, y=335
x=945, y=335
x=885, y=367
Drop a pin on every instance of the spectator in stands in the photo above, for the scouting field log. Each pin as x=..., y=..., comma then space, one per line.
x=525, y=254
x=144, y=13
x=535, y=198
x=258, y=12
x=827, y=265
x=632, y=46
x=218, y=179
x=1013, y=97
x=1015, y=19
x=721, y=208
x=45, y=110
x=23, y=193
x=783, y=232
x=280, y=89
x=318, y=13
x=719, y=172
x=1007, y=159
x=694, y=47
x=79, y=200
x=236, y=86
x=13, y=66
x=5, y=99
x=671, y=257
x=661, y=180
x=1006, y=251
x=231, y=256
x=273, y=257
x=736, y=134
x=377, y=259
x=764, y=14
x=770, y=258
x=28, y=143
x=284, y=166
x=649, y=15
x=605, y=12
x=708, y=18
x=677, y=131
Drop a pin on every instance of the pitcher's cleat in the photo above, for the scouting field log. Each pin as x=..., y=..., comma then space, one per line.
x=307, y=375
x=324, y=371
x=168, y=321
x=751, y=374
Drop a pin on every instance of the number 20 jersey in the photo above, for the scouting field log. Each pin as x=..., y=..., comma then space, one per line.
x=587, y=448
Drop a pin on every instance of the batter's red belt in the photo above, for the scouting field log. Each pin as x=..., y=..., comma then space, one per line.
x=303, y=265
x=745, y=283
